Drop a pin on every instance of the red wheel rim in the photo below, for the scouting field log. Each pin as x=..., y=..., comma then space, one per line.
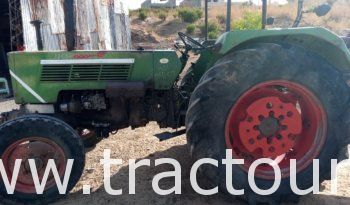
x=280, y=120
x=39, y=149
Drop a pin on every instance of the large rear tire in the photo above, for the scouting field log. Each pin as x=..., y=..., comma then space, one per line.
x=40, y=138
x=268, y=101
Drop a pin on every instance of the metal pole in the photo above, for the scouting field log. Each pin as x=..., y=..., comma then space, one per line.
x=206, y=19
x=228, y=16
x=11, y=26
x=300, y=13
x=16, y=28
x=264, y=13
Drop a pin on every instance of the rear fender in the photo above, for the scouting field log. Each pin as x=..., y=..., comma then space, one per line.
x=319, y=40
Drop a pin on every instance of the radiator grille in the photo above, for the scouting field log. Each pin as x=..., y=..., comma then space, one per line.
x=55, y=73
x=66, y=73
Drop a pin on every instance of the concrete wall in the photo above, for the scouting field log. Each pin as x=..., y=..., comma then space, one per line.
x=135, y=4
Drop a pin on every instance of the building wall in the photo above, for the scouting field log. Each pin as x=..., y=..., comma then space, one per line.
x=137, y=4
x=82, y=25
x=217, y=1
x=166, y=3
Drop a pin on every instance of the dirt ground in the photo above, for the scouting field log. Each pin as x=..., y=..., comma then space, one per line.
x=140, y=144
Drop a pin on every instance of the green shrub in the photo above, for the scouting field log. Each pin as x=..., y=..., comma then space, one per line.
x=213, y=35
x=132, y=13
x=247, y=4
x=199, y=12
x=190, y=15
x=176, y=14
x=221, y=19
x=250, y=21
x=190, y=29
x=143, y=14
x=213, y=29
x=162, y=15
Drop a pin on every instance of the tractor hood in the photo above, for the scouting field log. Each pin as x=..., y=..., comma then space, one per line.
x=38, y=77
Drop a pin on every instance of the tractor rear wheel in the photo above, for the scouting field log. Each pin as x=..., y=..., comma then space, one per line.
x=40, y=138
x=268, y=101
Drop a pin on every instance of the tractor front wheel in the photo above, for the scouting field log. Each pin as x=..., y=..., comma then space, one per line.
x=40, y=138
x=272, y=101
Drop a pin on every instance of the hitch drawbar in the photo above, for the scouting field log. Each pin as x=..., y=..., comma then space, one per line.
x=169, y=135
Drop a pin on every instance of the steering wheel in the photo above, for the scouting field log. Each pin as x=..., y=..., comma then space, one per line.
x=184, y=38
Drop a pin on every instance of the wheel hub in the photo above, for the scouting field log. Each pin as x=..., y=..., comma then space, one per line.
x=41, y=150
x=269, y=126
x=39, y=163
x=280, y=120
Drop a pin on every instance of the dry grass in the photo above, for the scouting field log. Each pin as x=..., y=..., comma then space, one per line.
x=166, y=31
x=336, y=20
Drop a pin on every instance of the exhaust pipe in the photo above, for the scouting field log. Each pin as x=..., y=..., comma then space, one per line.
x=39, y=40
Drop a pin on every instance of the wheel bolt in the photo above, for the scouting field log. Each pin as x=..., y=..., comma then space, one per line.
x=284, y=127
x=251, y=141
x=269, y=105
x=272, y=149
x=289, y=114
x=259, y=137
x=279, y=137
x=271, y=114
x=281, y=117
x=261, y=117
x=248, y=130
x=269, y=140
x=256, y=127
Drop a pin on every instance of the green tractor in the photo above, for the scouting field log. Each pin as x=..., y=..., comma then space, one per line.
x=280, y=94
